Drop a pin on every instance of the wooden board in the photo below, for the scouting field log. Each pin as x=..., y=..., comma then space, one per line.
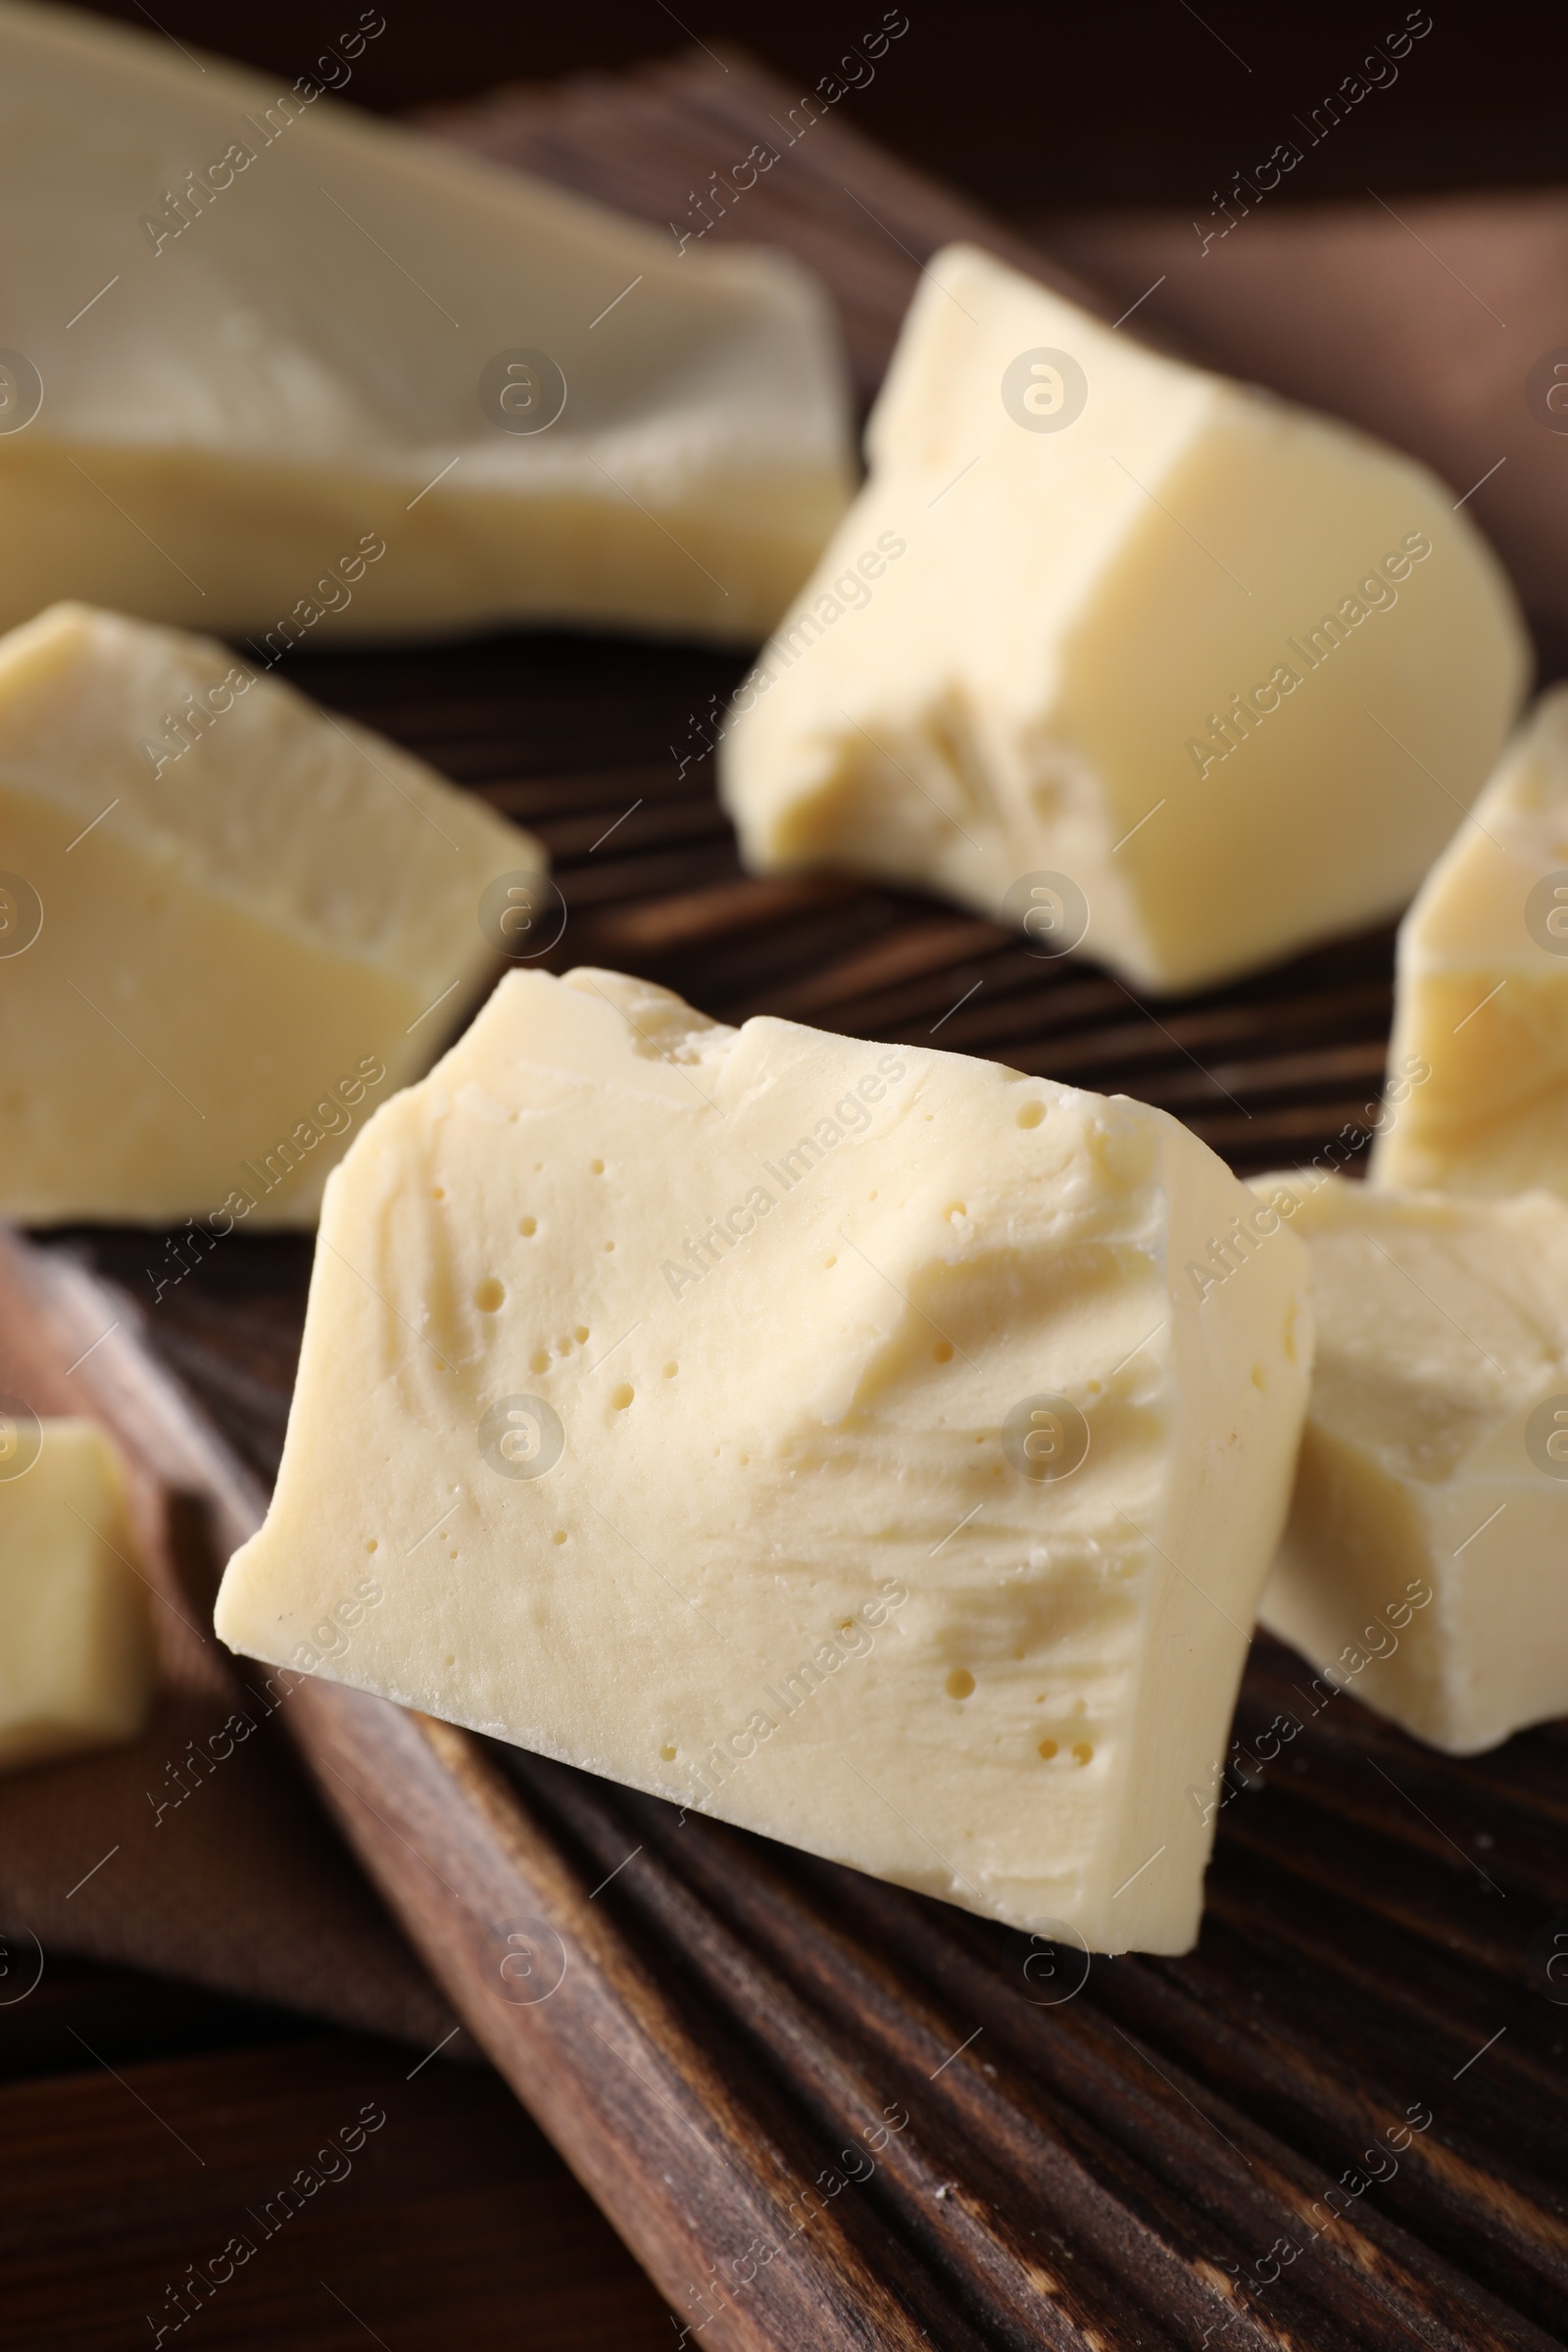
x=823, y=2112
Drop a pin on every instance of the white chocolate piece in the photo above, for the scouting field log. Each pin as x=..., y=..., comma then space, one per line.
x=707, y=1407
x=264, y=325
x=1423, y=1565
x=77, y=1664
x=215, y=959
x=1228, y=667
x=1482, y=992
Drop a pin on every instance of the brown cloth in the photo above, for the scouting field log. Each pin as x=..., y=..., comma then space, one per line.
x=198, y=1852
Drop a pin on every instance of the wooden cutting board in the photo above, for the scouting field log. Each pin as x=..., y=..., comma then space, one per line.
x=824, y=2112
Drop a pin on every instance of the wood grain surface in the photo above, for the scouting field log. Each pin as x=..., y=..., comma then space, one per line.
x=823, y=2112
x=135, y=2177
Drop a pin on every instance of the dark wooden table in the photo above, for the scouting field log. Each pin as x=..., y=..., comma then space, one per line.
x=143, y=2123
